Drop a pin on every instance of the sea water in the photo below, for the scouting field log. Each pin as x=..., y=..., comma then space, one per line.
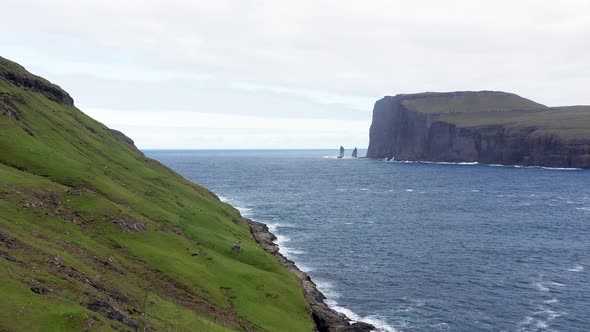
x=419, y=246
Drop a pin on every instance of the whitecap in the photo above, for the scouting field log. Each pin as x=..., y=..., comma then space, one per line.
x=327, y=289
x=585, y=208
x=540, y=287
x=409, y=190
x=290, y=251
x=577, y=268
x=552, y=301
x=331, y=300
x=364, y=189
x=244, y=211
x=304, y=268
x=375, y=320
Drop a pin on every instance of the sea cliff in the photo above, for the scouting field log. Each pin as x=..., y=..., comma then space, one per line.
x=487, y=127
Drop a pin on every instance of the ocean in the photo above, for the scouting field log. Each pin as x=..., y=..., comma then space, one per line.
x=418, y=246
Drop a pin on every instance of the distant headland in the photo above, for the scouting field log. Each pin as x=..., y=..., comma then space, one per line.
x=490, y=127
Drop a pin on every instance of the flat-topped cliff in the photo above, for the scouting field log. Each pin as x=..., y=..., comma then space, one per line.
x=489, y=127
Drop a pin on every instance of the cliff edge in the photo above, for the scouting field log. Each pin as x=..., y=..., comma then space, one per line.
x=490, y=127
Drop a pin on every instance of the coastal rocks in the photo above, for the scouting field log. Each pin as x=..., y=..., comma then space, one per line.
x=433, y=131
x=325, y=318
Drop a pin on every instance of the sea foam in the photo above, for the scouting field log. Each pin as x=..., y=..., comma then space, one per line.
x=577, y=268
x=331, y=300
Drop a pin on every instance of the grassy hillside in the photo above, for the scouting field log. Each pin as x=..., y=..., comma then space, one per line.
x=571, y=122
x=95, y=236
x=467, y=102
x=502, y=110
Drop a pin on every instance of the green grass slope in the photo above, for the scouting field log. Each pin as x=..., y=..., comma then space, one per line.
x=466, y=102
x=572, y=122
x=470, y=109
x=95, y=236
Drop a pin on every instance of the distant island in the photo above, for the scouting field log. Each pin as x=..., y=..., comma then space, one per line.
x=490, y=127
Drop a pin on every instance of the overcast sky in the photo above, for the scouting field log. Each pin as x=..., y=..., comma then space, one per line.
x=290, y=74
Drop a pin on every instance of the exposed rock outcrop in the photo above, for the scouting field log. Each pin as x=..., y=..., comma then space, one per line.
x=486, y=127
x=18, y=76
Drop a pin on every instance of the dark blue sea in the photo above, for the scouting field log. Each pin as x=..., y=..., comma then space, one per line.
x=419, y=246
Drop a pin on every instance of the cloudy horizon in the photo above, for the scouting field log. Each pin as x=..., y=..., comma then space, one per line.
x=304, y=74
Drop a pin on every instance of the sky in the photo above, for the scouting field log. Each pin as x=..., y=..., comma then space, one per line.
x=268, y=74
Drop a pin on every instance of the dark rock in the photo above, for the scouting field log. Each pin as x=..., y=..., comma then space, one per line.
x=39, y=290
x=128, y=223
x=120, y=136
x=15, y=74
x=109, y=311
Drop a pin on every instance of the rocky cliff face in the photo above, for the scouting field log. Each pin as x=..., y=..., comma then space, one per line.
x=470, y=127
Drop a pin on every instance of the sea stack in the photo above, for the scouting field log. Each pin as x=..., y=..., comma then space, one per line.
x=489, y=127
x=354, y=153
x=341, y=155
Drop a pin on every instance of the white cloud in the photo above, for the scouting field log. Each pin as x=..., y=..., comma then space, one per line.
x=323, y=54
x=193, y=130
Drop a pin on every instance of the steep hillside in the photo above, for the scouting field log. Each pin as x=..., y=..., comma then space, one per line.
x=95, y=236
x=487, y=127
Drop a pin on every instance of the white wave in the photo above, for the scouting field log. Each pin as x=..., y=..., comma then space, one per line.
x=375, y=320
x=287, y=251
x=557, y=284
x=550, y=314
x=432, y=162
x=585, y=208
x=540, y=287
x=552, y=301
x=409, y=190
x=364, y=189
x=244, y=211
x=331, y=300
x=477, y=163
x=577, y=268
x=474, y=190
x=282, y=239
x=223, y=199
x=539, y=320
x=562, y=168
x=304, y=268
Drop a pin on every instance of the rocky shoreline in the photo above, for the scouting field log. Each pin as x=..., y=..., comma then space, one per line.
x=324, y=317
